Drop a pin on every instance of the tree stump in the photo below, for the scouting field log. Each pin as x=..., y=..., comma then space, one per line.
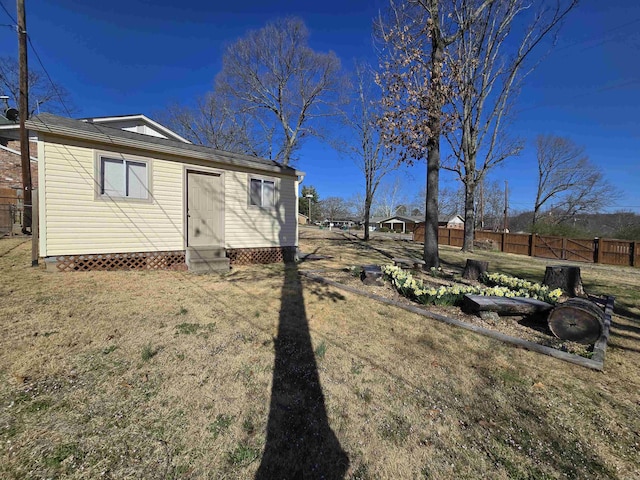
x=577, y=320
x=371, y=275
x=565, y=277
x=474, y=268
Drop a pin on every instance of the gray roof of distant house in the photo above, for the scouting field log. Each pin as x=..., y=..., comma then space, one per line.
x=68, y=127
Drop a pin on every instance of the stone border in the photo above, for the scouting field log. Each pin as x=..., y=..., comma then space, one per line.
x=595, y=363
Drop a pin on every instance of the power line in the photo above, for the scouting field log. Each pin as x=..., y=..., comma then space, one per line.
x=15, y=22
x=53, y=85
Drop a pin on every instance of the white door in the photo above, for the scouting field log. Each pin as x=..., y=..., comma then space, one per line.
x=204, y=210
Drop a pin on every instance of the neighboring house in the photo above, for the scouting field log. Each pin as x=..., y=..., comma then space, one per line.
x=302, y=219
x=11, y=191
x=137, y=123
x=113, y=198
x=455, y=222
x=339, y=223
x=451, y=222
x=11, y=163
x=374, y=223
x=400, y=223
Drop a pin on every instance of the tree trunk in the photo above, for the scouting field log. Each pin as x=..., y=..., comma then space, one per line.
x=474, y=268
x=367, y=212
x=430, y=253
x=577, y=320
x=565, y=277
x=469, y=215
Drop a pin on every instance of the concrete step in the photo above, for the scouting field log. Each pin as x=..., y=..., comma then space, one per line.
x=207, y=259
x=208, y=266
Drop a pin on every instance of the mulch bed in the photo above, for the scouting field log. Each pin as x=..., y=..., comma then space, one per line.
x=532, y=329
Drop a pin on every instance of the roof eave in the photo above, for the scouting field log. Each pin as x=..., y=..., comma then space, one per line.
x=170, y=150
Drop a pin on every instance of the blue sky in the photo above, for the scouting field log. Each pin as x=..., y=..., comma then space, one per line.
x=137, y=56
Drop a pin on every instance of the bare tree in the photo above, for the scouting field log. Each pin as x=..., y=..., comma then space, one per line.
x=485, y=76
x=217, y=123
x=389, y=198
x=273, y=70
x=366, y=148
x=334, y=208
x=356, y=205
x=43, y=94
x=567, y=181
x=450, y=201
x=414, y=36
x=490, y=204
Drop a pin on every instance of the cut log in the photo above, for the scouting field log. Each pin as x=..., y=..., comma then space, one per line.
x=474, y=268
x=577, y=320
x=503, y=305
x=371, y=275
x=414, y=263
x=565, y=277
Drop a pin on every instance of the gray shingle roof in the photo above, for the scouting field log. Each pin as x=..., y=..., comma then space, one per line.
x=54, y=124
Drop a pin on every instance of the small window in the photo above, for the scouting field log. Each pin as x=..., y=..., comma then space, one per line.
x=262, y=192
x=124, y=178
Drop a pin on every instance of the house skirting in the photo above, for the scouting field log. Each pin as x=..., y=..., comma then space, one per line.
x=170, y=260
x=247, y=256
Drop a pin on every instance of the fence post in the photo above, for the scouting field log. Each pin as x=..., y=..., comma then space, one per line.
x=564, y=248
x=532, y=245
x=503, y=241
x=596, y=250
x=632, y=253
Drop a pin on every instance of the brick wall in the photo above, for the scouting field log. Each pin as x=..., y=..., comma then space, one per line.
x=10, y=166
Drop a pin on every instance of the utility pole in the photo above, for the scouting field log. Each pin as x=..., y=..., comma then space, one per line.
x=24, y=114
x=309, y=196
x=506, y=204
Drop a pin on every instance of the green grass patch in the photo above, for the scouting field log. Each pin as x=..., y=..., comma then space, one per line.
x=193, y=328
x=242, y=455
x=321, y=350
x=220, y=424
x=148, y=352
x=63, y=452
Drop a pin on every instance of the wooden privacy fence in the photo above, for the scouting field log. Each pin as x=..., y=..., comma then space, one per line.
x=596, y=250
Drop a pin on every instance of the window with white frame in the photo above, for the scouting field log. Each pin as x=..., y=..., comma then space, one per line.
x=124, y=178
x=262, y=192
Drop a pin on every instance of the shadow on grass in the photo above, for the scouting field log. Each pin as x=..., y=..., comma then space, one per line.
x=300, y=443
x=628, y=314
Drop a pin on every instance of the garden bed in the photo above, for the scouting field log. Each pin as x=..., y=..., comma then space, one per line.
x=519, y=330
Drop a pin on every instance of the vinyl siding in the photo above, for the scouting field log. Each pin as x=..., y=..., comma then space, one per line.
x=78, y=223
x=249, y=226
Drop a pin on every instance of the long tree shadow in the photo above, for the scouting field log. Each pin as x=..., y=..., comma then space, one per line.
x=300, y=443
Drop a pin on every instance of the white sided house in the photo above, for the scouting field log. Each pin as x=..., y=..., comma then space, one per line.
x=126, y=192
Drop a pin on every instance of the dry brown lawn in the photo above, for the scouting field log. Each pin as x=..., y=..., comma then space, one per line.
x=260, y=373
